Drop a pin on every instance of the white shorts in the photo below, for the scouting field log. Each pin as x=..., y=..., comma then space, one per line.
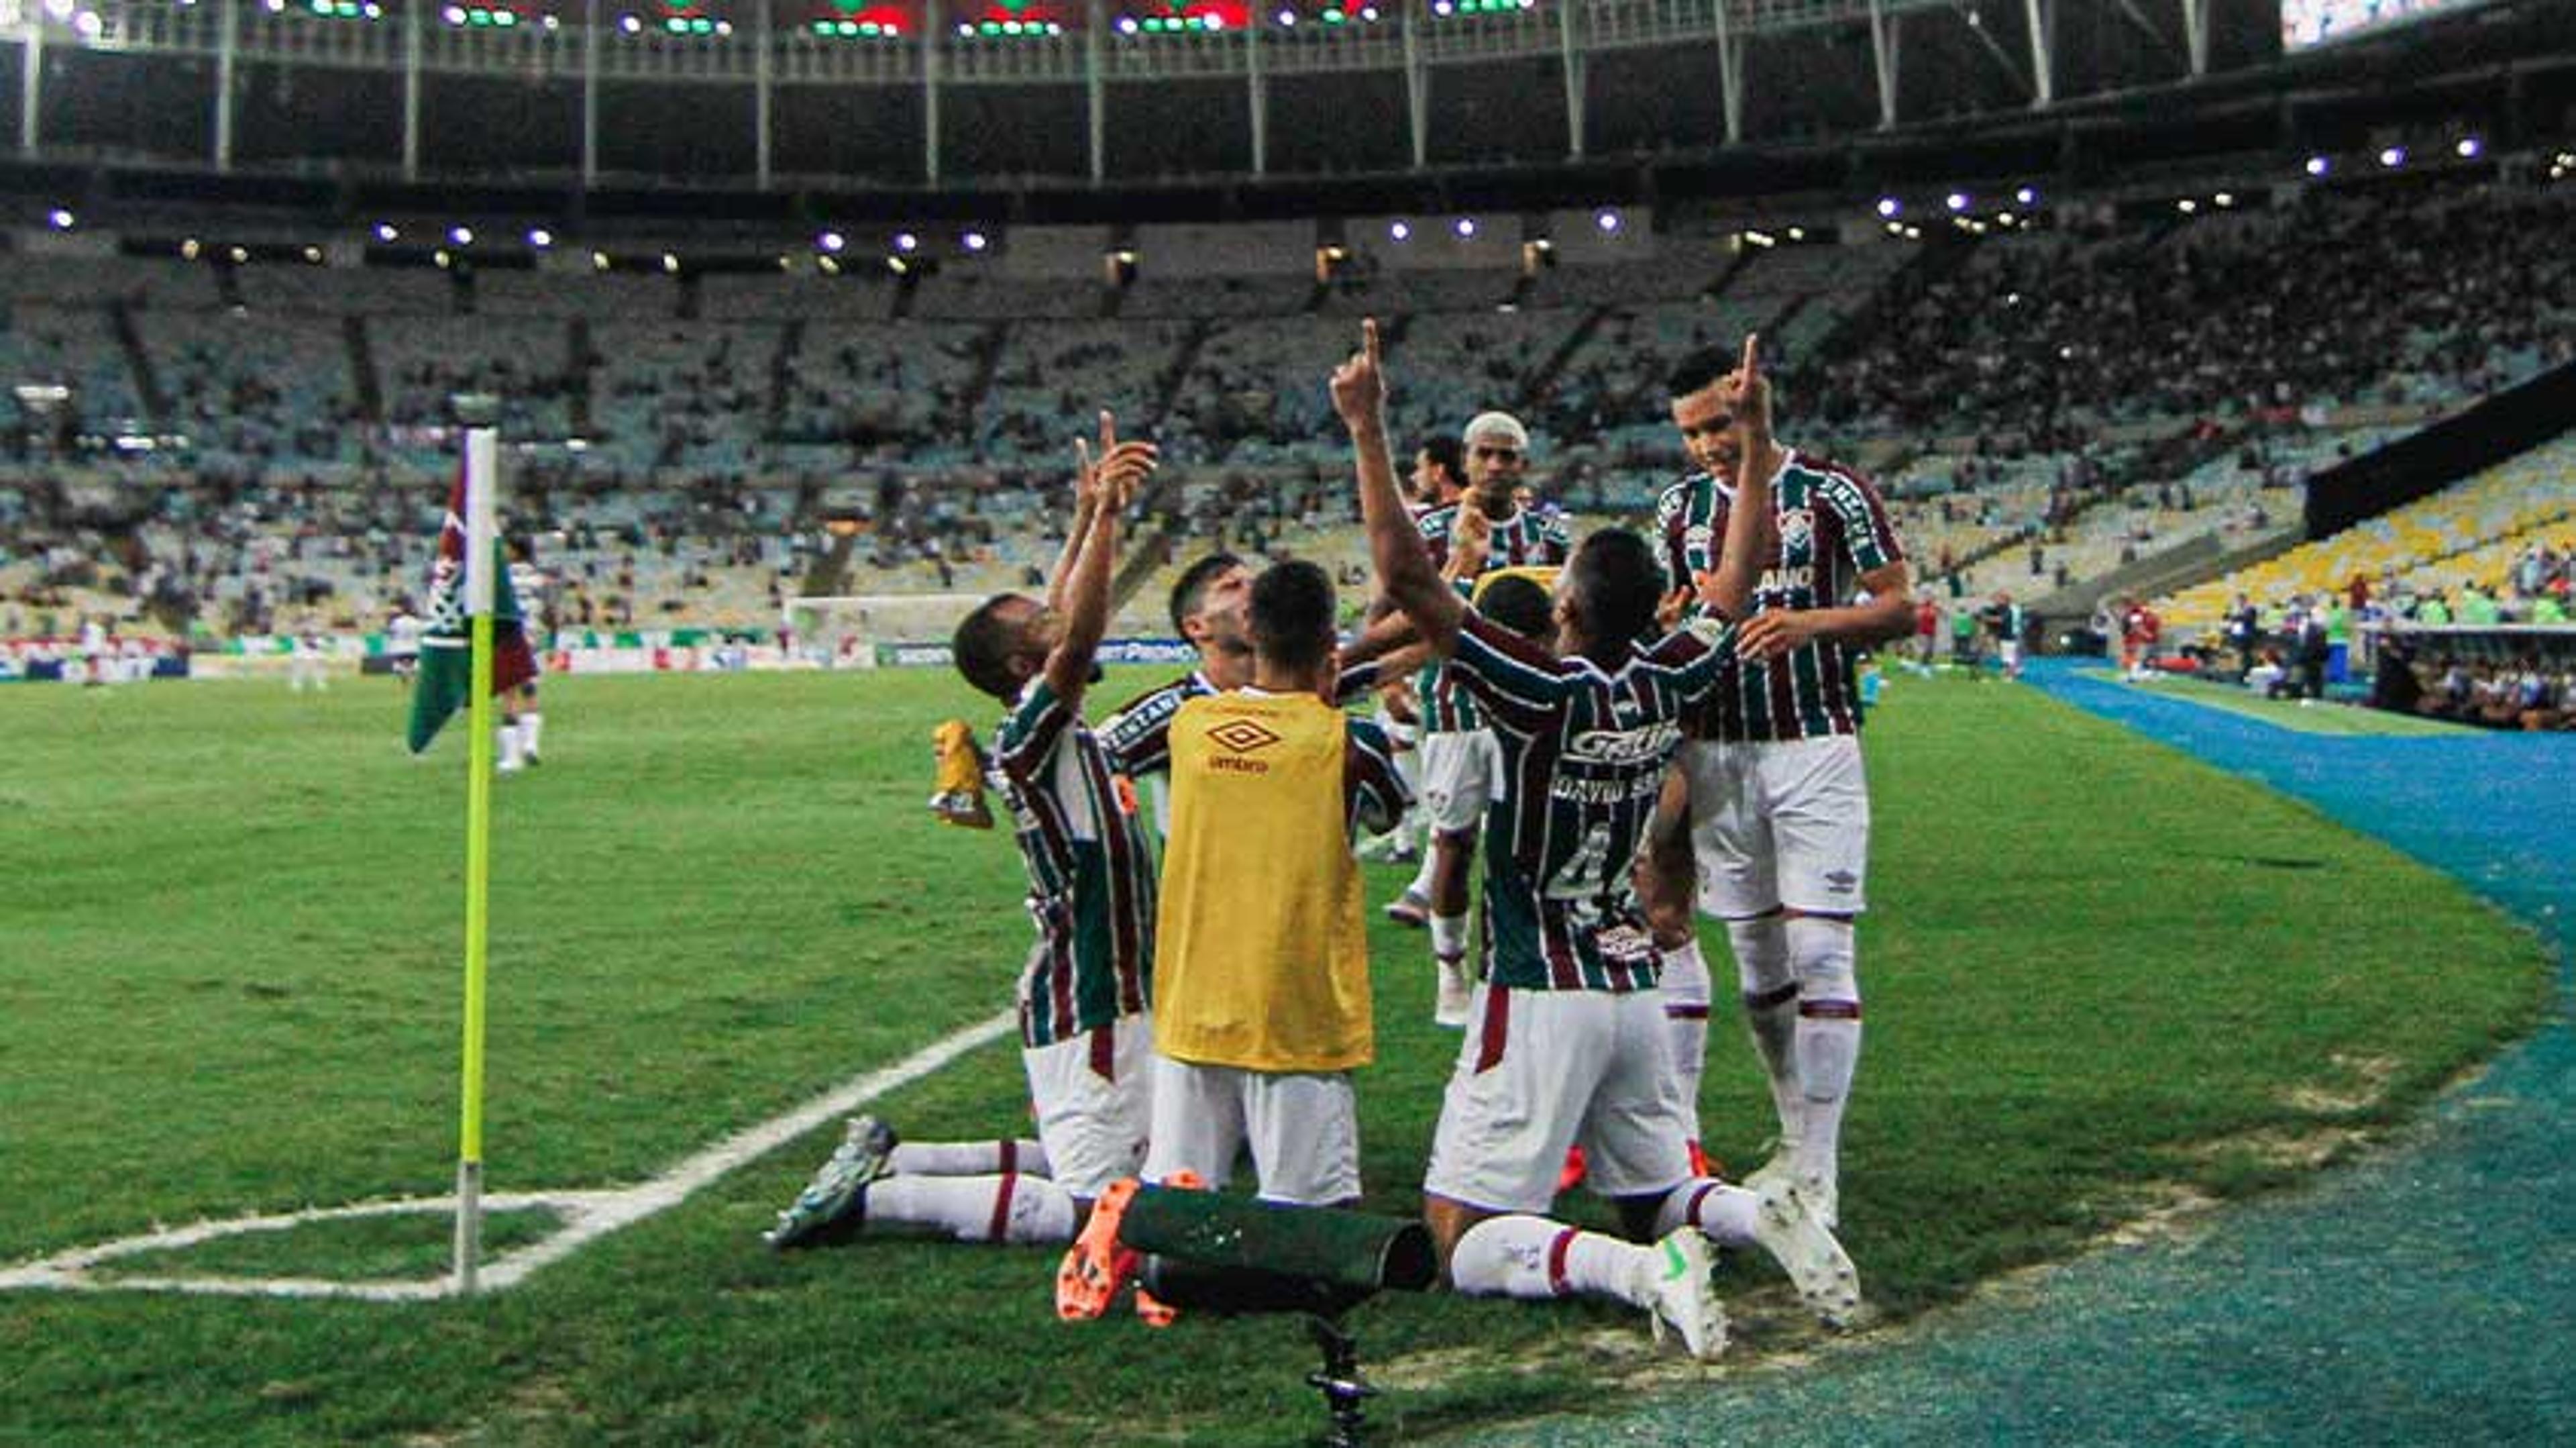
x=1461, y=774
x=2010, y=651
x=1303, y=1128
x=1777, y=825
x=1094, y=1097
x=1543, y=1070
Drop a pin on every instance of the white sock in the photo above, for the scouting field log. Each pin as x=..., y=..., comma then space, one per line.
x=1017, y=1208
x=531, y=727
x=1828, y=1037
x=1449, y=937
x=1723, y=1214
x=1430, y=860
x=1771, y=1009
x=510, y=746
x=967, y=1158
x=1533, y=1257
x=1684, y=983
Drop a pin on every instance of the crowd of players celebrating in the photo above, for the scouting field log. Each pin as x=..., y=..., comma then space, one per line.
x=1637, y=729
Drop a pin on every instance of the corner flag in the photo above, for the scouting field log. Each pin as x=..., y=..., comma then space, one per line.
x=446, y=649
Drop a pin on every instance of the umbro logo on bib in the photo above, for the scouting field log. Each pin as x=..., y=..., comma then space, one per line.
x=1243, y=736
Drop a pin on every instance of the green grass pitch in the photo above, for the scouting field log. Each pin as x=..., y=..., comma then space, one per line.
x=229, y=983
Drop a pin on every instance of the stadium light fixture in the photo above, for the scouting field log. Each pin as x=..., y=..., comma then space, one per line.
x=671, y=263
x=1957, y=201
x=1607, y=220
x=453, y=14
x=540, y=238
x=386, y=231
x=88, y=25
x=1126, y=24
x=2319, y=165
x=2393, y=157
x=2224, y=199
x=240, y=255
x=313, y=254
x=2469, y=148
x=461, y=235
x=189, y=249
x=898, y=265
x=975, y=241
x=61, y=218
x=441, y=257
x=1797, y=233
x=630, y=24
x=2026, y=196
x=1466, y=228
x=905, y=241
x=1889, y=206
x=1287, y=18
x=831, y=241
x=2186, y=206
x=1399, y=231
x=599, y=261
x=827, y=266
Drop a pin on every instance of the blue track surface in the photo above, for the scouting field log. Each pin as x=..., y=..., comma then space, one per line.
x=2425, y=1298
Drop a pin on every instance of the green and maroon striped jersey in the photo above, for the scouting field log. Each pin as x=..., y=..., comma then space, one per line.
x=1833, y=527
x=1091, y=875
x=1584, y=750
x=1528, y=538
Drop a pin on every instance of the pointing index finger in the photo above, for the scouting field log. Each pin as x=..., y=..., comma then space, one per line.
x=1368, y=339
x=1752, y=365
x=1108, y=433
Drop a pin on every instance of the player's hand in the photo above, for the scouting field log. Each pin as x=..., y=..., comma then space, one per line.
x=1471, y=538
x=1774, y=633
x=1748, y=398
x=1359, y=385
x=1703, y=588
x=1112, y=478
x=1674, y=607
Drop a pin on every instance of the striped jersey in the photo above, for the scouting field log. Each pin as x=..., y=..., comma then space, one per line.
x=1584, y=751
x=1833, y=527
x=1525, y=539
x=1091, y=874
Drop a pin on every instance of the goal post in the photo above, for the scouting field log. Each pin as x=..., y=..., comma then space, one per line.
x=843, y=631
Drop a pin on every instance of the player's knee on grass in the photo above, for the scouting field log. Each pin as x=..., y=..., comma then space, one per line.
x=1820, y=951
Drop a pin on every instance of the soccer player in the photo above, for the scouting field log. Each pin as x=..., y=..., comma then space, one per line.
x=1085, y=1039
x=1485, y=528
x=1778, y=810
x=1568, y=1045
x=1208, y=611
x=1261, y=986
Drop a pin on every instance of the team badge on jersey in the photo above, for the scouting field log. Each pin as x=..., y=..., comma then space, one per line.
x=1797, y=528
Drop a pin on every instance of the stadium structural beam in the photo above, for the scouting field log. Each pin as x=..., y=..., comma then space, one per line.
x=931, y=21
x=1883, y=47
x=763, y=87
x=31, y=86
x=1256, y=91
x=1570, y=43
x=227, y=55
x=1417, y=92
x=589, y=93
x=2195, y=30
x=1095, y=89
x=1730, y=73
x=2138, y=18
x=415, y=35
x=2042, y=16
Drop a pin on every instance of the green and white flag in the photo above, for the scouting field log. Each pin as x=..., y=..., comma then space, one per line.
x=446, y=643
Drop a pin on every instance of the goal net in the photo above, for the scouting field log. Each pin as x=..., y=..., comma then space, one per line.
x=844, y=631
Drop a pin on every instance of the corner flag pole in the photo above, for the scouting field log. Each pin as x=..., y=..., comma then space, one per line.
x=481, y=483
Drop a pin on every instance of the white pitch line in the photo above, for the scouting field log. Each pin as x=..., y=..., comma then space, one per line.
x=592, y=1214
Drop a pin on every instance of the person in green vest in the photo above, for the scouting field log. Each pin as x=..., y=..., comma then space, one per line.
x=2547, y=609
x=2432, y=612
x=1963, y=641
x=2478, y=607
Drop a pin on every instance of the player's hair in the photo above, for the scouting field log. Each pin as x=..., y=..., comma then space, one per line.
x=1191, y=590
x=1518, y=604
x=1615, y=586
x=1292, y=614
x=1446, y=453
x=984, y=646
x=1697, y=372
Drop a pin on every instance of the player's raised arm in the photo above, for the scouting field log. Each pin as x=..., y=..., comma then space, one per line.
x=1121, y=467
x=1404, y=568
x=1749, y=526
x=1086, y=495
